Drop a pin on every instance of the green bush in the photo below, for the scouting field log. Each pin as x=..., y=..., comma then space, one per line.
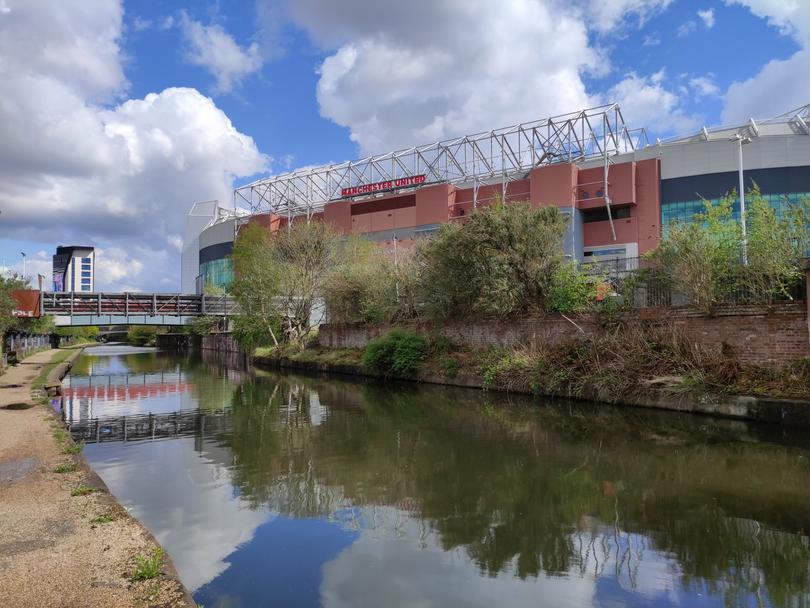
x=142, y=335
x=251, y=333
x=571, y=290
x=397, y=353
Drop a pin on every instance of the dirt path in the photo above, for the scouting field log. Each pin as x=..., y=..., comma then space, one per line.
x=59, y=546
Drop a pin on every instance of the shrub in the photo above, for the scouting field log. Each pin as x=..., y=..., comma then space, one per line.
x=571, y=290
x=397, y=353
x=250, y=332
x=142, y=335
x=499, y=263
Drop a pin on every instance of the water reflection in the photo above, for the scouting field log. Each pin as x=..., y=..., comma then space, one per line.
x=336, y=493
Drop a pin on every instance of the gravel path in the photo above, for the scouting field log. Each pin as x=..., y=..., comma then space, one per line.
x=59, y=549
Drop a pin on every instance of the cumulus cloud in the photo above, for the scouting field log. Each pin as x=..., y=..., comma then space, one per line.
x=646, y=102
x=704, y=86
x=80, y=163
x=606, y=15
x=781, y=83
x=213, y=48
x=399, y=74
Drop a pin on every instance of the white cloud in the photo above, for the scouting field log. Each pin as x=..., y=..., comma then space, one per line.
x=213, y=48
x=781, y=84
x=707, y=16
x=653, y=39
x=686, y=28
x=119, y=176
x=645, y=102
x=399, y=74
x=704, y=86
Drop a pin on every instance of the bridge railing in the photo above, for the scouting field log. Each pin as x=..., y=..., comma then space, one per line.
x=126, y=304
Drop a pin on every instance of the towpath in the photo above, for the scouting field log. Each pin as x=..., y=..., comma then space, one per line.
x=64, y=540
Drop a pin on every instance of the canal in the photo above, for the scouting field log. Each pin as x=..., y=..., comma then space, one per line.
x=314, y=491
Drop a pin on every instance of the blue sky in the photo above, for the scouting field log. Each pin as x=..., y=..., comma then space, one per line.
x=135, y=110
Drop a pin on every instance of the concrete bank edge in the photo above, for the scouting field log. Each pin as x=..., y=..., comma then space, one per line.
x=789, y=412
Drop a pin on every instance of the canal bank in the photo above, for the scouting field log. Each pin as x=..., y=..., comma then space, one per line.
x=656, y=394
x=65, y=540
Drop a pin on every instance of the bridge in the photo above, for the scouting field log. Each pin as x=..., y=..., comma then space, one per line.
x=84, y=308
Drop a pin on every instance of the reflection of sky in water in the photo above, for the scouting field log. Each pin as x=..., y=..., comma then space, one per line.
x=289, y=504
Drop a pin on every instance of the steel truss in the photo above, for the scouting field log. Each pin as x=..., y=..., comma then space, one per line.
x=501, y=155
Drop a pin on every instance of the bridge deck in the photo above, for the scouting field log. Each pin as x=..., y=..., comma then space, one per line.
x=136, y=304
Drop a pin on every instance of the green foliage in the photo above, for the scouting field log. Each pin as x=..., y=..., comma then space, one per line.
x=363, y=287
x=703, y=256
x=250, y=332
x=280, y=277
x=571, y=290
x=396, y=353
x=148, y=566
x=775, y=246
x=142, y=335
x=450, y=366
x=202, y=326
x=501, y=262
x=66, y=467
x=87, y=333
x=82, y=491
x=104, y=518
x=74, y=447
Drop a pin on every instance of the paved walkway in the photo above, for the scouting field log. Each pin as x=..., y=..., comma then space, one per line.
x=52, y=552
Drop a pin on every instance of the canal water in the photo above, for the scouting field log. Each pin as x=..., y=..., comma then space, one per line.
x=328, y=491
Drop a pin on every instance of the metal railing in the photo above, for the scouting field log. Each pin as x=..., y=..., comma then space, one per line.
x=126, y=304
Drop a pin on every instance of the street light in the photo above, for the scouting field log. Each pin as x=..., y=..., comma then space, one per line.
x=22, y=253
x=741, y=141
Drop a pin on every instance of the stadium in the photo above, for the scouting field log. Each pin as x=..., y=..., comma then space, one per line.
x=619, y=189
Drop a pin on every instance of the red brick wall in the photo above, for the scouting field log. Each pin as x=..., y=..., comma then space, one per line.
x=758, y=337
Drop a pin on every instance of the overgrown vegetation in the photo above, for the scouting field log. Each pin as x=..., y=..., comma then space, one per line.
x=88, y=333
x=148, y=566
x=396, y=353
x=142, y=335
x=500, y=263
x=280, y=278
x=704, y=258
x=82, y=491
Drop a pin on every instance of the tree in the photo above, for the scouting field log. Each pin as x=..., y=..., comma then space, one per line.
x=703, y=256
x=282, y=276
x=499, y=263
x=363, y=287
x=775, y=244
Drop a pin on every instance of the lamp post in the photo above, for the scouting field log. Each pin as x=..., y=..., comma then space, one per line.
x=22, y=253
x=741, y=141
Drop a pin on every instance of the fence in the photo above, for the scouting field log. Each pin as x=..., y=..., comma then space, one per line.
x=18, y=346
x=657, y=292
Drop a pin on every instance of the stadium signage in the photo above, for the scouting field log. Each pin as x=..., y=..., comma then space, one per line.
x=391, y=184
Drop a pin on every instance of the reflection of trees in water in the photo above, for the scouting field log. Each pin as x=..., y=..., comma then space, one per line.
x=535, y=490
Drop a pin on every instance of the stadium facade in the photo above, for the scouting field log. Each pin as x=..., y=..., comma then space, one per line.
x=619, y=190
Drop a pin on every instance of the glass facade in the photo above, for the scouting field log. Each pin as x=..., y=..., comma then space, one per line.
x=217, y=274
x=685, y=211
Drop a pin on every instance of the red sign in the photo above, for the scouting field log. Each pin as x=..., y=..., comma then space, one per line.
x=26, y=303
x=391, y=184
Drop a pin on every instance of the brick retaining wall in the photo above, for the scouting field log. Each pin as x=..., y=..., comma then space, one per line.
x=758, y=336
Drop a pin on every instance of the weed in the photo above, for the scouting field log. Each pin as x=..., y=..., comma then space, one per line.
x=74, y=448
x=66, y=467
x=102, y=519
x=82, y=491
x=450, y=366
x=148, y=567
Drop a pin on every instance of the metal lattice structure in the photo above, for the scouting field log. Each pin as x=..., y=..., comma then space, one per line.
x=500, y=155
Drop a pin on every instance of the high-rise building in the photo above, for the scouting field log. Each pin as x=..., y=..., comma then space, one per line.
x=74, y=268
